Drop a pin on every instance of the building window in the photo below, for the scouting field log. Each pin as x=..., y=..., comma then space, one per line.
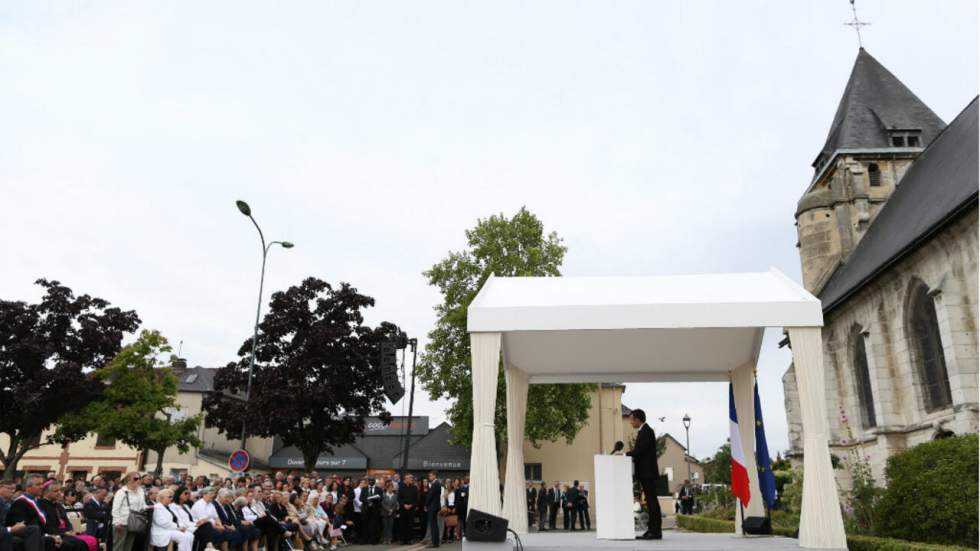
x=862, y=376
x=104, y=442
x=905, y=138
x=79, y=474
x=927, y=349
x=874, y=175
x=532, y=471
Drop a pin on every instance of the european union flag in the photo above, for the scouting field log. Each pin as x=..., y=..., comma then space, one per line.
x=767, y=480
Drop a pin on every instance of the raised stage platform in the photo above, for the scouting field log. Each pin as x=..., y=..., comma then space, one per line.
x=673, y=541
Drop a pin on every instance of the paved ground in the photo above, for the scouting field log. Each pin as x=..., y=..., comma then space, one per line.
x=674, y=540
x=447, y=547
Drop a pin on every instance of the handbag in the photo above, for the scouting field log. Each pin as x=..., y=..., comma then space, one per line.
x=137, y=521
x=452, y=521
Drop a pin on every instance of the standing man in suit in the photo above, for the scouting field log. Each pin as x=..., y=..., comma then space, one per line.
x=554, y=503
x=542, y=507
x=644, y=454
x=532, y=498
x=584, y=519
x=433, y=504
x=371, y=512
x=571, y=504
x=687, y=498
x=462, y=504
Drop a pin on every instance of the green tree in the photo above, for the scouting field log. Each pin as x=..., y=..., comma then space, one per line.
x=718, y=469
x=502, y=246
x=138, y=402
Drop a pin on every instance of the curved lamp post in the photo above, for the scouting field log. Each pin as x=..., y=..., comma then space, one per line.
x=687, y=452
x=247, y=211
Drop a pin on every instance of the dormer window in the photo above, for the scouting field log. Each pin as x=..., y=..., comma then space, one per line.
x=905, y=138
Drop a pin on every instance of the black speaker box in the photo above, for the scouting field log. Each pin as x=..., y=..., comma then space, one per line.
x=758, y=526
x=481, y=526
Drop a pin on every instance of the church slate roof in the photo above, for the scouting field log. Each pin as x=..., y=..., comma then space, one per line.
x=941, y=184
x=874, y=101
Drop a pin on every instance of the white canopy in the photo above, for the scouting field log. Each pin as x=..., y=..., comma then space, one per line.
x=629, y=329
x=633, y=329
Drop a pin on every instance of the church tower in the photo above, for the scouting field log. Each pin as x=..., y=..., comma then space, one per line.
x=880, y=127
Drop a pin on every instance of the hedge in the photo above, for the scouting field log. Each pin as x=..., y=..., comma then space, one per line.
x=854, y=542
x=931, y=494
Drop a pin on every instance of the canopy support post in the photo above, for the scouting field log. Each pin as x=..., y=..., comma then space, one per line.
x=484, y=476
x=515, y=499
x=821, y=524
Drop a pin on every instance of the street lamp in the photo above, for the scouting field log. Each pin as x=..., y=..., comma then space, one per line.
x=687, y=452
x=247, y=211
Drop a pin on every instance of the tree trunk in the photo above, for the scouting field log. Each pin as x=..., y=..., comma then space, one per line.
x=309, y=459
x=158, y=471
x=11, y=458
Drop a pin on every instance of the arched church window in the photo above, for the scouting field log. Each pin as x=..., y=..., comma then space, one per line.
x=874, y=175
x=862, y=376
x=927, y=348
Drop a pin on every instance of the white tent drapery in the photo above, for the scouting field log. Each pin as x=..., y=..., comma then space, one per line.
x=634, y=329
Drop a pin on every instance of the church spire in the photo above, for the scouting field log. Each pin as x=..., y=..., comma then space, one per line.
x=877, y=111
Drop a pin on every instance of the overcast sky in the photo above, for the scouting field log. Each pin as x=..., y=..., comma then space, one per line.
x=654, y=137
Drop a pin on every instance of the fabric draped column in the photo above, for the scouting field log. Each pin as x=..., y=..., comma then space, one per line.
x=821, y=524
x=515, y=499
x=484, y=476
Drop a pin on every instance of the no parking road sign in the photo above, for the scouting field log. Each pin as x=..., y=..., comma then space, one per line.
x=239, y=461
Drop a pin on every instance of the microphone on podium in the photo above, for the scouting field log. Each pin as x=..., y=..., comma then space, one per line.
x=618, y=448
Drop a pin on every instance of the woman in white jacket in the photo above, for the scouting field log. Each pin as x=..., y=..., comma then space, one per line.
x=129, y=498
x=165, y=527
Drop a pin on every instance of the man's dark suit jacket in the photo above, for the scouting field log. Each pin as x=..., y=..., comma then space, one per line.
x=368, y=505
x=408, y=495
x=95, y=513
x=542, y=501
x=22, y=512
x=226, y=514
x=644, y=454
x=433, y=500
x=571, y=496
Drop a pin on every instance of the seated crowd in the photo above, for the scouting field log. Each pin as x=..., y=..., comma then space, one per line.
x=278, y=513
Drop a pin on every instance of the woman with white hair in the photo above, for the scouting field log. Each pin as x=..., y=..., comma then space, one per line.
x=166, y=526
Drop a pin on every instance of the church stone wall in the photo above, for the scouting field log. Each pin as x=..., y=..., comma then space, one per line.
x=947, y=264
x=833, y=216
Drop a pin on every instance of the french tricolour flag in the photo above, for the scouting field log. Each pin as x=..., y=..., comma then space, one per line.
x=740, y=476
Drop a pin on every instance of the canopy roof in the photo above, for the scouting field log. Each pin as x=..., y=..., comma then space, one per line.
x=632, y=329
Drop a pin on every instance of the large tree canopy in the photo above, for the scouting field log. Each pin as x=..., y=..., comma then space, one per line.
x=138, y=405
x=47, y=351
x=502, y=246
x=317, y=372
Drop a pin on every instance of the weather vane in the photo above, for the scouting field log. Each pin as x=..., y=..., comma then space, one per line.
x=857, y=24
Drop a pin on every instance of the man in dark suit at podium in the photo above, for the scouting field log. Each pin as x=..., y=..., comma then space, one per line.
x=644, y=454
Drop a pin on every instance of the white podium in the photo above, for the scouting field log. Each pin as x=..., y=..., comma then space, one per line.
x=614, y=497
